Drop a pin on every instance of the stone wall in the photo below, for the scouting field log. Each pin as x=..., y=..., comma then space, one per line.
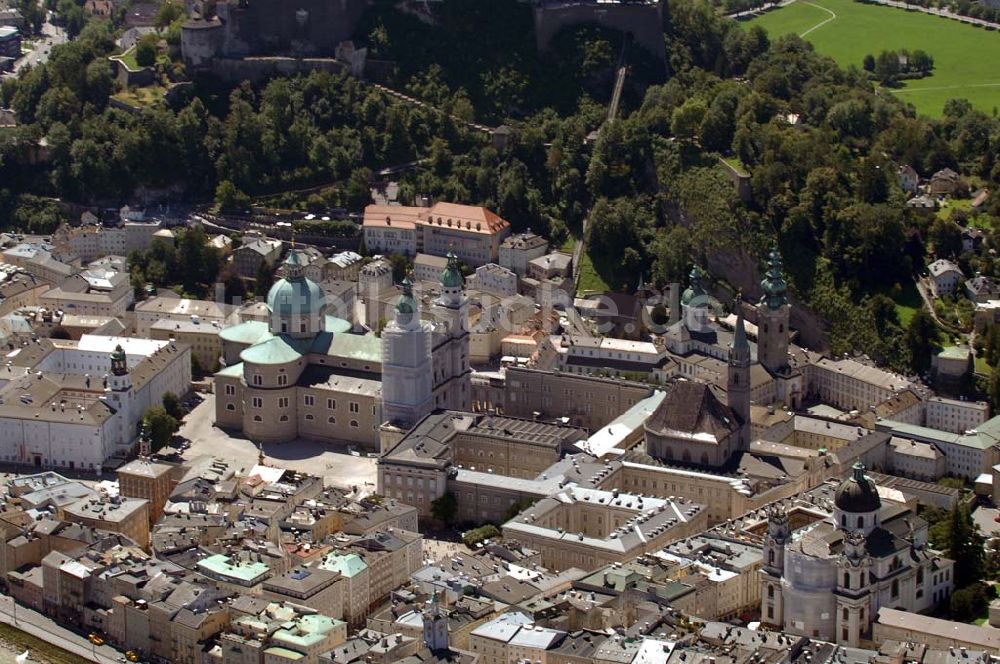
x=642, y=20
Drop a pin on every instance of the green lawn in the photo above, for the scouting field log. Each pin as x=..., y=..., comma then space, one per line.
x=735, y=164
x=41, y=651
x=128, y=59
x=568, y=245
x=140, y=97
x=954, y=204
x=590, y=280
x=908, y=301
x=965, y=56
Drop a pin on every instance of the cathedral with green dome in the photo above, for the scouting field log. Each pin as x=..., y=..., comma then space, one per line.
x=305, y=374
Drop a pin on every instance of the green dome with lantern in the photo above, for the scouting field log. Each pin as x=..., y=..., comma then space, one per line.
x=452, y=276
x=773, y=284
x=694, y=289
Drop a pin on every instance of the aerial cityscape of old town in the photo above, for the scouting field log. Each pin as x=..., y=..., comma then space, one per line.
x=500, y=331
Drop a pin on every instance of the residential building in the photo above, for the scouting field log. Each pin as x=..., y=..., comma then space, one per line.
x=10, y=42
x=92, y=292
x=125, y=516
x=248, y=257
x=944, y=277
x=182, y=310
x=909, y=180
x=495, y=279
x=516, y=251
x=945, y=181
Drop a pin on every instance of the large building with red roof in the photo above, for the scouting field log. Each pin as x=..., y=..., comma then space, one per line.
x=473, y=233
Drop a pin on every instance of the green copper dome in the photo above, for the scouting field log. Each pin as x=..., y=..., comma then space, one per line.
x=773, y=283
x=452, y=276
x=406, y=304
x=294, y=294
x=695, y=288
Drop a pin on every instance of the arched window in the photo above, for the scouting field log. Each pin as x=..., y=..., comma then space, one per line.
x=331, y=420
x=847, y=580
x=284, y=418
x=845, y=614
x=770, y=592
x=895, y=588
x=770, y=560
x=257, y=418
x=230, y=406
x=843, y=520
x=920, y=575
x=861, y=522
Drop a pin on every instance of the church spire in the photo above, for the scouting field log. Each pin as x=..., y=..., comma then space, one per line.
x=774, y=285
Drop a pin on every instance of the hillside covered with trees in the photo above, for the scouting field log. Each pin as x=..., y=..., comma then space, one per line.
x=824, y=187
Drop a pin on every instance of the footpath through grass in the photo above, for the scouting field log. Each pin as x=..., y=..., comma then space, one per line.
x=965, y=56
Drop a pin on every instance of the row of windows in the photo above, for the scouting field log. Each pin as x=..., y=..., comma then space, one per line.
x=284, y=418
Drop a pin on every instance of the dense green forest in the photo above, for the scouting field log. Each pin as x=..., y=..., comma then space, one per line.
x=650, y=185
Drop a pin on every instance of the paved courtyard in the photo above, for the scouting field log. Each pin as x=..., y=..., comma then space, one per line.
x=332, y=461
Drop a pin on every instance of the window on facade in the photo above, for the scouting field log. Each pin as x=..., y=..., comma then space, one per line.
x=283, y=379
x=770, y=592
x=309, y=400
x=355, y=408
x=230, y=406
x=895, y=588
x=283, y=402
x=843, y=634
x=920, y=575
x=331, y=420
x=284, y=418
x=230, y=390
x=257, y=418
x=331, y=404
x=770, y=612
x=257, y=402
x=861, y=522
x=309, y=416
x=257, y=379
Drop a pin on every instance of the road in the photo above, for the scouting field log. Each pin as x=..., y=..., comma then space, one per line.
x=42, y=627
x=51, y=35
x=331, y=460
x=943, y=13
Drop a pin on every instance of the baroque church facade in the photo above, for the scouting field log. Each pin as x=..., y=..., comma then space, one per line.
x=829, y=579
x=304, y=374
